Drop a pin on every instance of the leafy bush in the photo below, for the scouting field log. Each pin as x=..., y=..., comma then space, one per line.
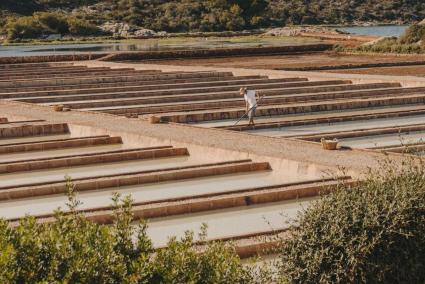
x=413, y=34
x=52, y=22
x=412, y=41
x=23, y=27
x=370, y=233
x=73, y=249
x=44, y=23
x=81, y=27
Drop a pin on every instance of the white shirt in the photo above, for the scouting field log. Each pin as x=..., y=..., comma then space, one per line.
x=250, y=98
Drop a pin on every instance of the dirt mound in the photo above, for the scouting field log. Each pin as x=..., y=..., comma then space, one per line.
x=297, y=31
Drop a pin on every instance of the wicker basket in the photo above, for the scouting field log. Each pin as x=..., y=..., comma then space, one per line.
x=154, y=119
x=58, y=108
x=329, y=144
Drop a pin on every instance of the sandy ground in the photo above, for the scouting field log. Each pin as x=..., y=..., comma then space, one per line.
x=287, y=61
x=418, y=70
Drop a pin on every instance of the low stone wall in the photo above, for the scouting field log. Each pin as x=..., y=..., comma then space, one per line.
x=33, y=130
x=91, y=159
x=49, y=58
x=355, y=66
x=216, y=52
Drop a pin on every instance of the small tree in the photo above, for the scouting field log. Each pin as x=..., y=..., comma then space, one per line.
x=370, y=233
x=23, y=28
x=82, y=28
x=52, y=22
x=413, y=34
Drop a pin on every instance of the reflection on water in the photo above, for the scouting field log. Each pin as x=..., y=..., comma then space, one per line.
x=97, y=48
x=144, y=45
x=376, y=30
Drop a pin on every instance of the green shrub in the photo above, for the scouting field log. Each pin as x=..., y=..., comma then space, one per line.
x=82, y=28
x=413, y=34
x=370, y=233
x=52, y=22
x=23, y=28
x=73, y=249
x=44, y=23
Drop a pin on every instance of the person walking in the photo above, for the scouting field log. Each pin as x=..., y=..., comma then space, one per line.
x=250, y=97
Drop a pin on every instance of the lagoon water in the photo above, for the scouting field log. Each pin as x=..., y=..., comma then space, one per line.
x=153, y=45
x=147, y=45
x=392, y=30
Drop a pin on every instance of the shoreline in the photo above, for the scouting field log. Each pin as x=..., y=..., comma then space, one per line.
x=194, y=35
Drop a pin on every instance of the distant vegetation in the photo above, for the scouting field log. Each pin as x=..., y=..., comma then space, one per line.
x=218, y=15
x=43, y=23
x=412, y=41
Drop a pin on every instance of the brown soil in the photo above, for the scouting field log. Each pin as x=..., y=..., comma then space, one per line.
x=287, y=61
x=344, y=40
x=418, y=70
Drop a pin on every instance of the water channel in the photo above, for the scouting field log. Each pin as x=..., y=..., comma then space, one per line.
x=182, y=43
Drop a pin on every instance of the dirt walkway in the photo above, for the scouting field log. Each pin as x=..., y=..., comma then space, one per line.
x=286, y=61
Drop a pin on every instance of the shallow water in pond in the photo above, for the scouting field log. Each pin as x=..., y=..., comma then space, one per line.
x=58, y=175
x=141, y=193
x=149, y=45
x=391, y=30
x=228, y=222
x=387, y=140
x=31, y=155
x=339, y=126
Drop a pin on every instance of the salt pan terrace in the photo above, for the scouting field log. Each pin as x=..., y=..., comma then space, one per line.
x=176, y=188
x=195, y=167
x=371, y=113
x=176, y=184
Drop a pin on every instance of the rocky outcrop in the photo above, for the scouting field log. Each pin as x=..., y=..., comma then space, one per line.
x=125, y=30
x=145, y=33
x=117, y=29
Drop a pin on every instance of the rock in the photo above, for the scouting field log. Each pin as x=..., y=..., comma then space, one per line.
x=53, y=37
x=144, y=33
x=118, y=29
x=162, y=33
x=422, y=22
